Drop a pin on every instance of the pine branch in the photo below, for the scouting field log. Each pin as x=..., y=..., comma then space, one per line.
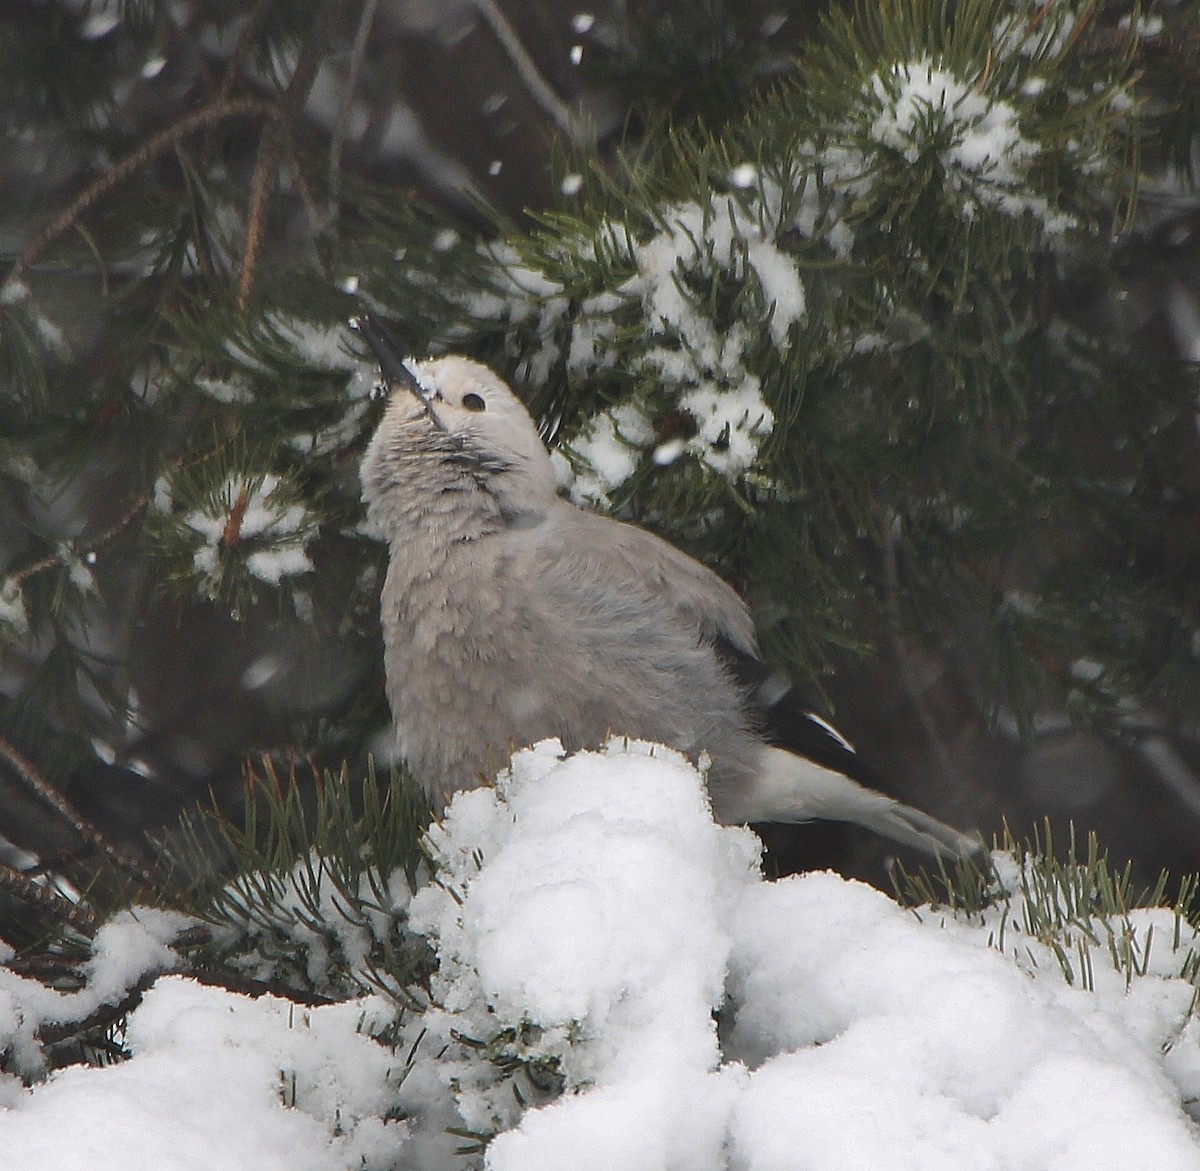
x=271, y=145
x=121, y=172
x=56, y=908
x=48, y=796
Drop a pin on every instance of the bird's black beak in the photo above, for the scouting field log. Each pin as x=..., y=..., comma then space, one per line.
x=391, y=361
x=387, y=353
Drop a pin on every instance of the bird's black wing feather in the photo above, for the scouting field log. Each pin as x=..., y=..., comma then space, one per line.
x=785, y=721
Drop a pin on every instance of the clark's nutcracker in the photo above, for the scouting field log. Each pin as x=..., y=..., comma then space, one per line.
x=510, y=616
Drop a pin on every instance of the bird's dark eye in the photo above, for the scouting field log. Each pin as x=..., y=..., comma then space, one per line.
x=473, y=402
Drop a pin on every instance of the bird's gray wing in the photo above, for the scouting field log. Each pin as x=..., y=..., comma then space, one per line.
x=631, y=558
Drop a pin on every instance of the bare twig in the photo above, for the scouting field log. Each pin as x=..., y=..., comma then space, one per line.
x=271, y=146
x=575, y=128
x=337, y=140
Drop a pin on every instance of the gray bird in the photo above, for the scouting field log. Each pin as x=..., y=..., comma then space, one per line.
x=510, y=616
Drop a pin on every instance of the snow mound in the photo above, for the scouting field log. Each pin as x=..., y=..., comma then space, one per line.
x=619, y=989
x=218, y=1080
x=590, y=911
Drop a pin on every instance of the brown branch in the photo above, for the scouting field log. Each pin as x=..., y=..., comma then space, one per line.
x=232, y=981
x=271, y=145
x=270, y=148
x=117, y=174
x=55, y=1032
x=26, y=890
x=56, y=560
x=50, y=798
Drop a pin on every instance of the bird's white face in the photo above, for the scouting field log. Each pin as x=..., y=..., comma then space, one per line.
x=468, y=401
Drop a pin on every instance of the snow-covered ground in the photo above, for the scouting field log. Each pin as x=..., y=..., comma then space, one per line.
x=598, y=932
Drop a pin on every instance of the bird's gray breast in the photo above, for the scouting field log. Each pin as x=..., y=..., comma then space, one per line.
x=498, y=642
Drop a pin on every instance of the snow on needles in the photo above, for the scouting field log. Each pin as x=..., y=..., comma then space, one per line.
x=619, y=989
x=922, y=106
x=702, y=364
x=255, y=510
x=705, y=364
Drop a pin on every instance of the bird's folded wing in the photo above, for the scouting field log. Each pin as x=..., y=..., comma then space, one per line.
x=599, y=548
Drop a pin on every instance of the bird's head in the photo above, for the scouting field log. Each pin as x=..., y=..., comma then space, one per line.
x=463, y=416
x=471, y=404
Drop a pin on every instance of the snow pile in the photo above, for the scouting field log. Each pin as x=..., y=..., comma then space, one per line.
x=619, y=989
x=219, y=1080
x=591, y=918
x=593, y=939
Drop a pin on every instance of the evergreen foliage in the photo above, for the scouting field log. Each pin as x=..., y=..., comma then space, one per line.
x=316, y=901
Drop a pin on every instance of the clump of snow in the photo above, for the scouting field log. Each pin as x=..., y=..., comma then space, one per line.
x=15, y=292
x=12, y=607
x=225, y=390
x=616, y=962
x=731, y=424
x=78, y=569
x=251, y=509
x=610, y=446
